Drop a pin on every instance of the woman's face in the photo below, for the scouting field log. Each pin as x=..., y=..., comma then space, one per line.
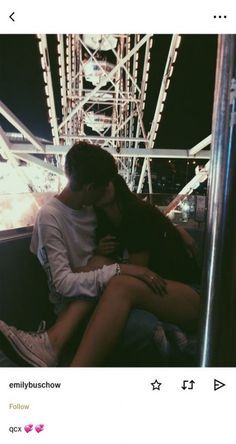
x=107, y=198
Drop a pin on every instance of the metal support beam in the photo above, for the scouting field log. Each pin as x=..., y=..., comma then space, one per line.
x=62, y=71
x=40, y=163
x=5, y=147
x=149, y=176
x=194, y=183
x=4, y=110
x=171, y=58
x=142, y=175
x=218, y=345
x=47, y=75
x=125, y=152
x=201, y=145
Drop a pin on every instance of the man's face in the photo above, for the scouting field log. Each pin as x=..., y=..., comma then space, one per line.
x=92, y=194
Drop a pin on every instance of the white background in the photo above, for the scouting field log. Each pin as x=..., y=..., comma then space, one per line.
x=121, y=16
x=119, y=406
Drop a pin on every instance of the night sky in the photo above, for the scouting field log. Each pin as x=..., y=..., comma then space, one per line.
x=187, y=114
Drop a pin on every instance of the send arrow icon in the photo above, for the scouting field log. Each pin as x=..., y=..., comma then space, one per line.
x=218, y=384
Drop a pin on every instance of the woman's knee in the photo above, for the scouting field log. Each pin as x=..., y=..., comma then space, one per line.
x=121, y=286
x=122, y=282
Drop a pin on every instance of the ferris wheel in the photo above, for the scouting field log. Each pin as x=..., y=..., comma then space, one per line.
x=103, y=87
x=102, y=81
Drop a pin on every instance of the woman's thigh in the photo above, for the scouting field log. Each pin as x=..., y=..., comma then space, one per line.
x=180, y=305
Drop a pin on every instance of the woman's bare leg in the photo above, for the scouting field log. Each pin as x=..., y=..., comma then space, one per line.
x=180, y=306
x=75, y=312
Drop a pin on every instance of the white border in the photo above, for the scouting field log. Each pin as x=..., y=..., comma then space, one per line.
x=118, y=16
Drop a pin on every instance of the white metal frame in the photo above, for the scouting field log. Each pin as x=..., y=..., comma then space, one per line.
x=127, y=101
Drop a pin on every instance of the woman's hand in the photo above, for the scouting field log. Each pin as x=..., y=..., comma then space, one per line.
x=153, y=280
x=107, y=245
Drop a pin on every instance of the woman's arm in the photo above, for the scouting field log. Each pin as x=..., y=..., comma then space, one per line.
x=189, y=242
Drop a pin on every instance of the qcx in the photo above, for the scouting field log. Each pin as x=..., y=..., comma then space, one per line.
x=15, y=429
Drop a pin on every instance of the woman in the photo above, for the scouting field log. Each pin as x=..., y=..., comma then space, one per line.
x=152, y=242
x=150, y=238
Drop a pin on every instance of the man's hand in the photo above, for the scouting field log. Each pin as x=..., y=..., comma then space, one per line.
x=153, y=280
x=107, y=245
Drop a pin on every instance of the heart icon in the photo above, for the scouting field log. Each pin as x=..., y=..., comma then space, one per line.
x=28, y=428
x=39, y=428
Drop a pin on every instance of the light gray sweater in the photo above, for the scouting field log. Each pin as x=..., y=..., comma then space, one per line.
x=64, y=239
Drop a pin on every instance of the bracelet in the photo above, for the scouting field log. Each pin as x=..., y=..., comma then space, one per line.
x=118, y=270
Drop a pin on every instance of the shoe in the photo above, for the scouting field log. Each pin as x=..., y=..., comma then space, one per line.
x=29, y=348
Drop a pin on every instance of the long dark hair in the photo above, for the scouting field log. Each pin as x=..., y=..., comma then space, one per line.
x=171, y=257
x=128, y=201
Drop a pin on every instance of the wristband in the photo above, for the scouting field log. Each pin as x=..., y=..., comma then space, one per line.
x=118, y=270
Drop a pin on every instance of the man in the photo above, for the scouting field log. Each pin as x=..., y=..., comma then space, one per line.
x=64, y=241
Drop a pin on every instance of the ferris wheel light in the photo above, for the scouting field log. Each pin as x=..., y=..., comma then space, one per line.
x=167, y=84
x=171, y=71
x=45, y=78
x=164, y=96
x=43, y=64
x=40, y=46
x=175, y=56
x=178, y=41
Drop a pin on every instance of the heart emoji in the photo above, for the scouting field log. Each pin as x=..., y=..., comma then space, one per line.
x=28, y=428
x=39, y=428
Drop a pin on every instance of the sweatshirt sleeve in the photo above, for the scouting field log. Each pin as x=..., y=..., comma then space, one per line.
x=52, y=254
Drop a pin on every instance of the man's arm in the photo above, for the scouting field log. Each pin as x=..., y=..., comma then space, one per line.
x=53, y=256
